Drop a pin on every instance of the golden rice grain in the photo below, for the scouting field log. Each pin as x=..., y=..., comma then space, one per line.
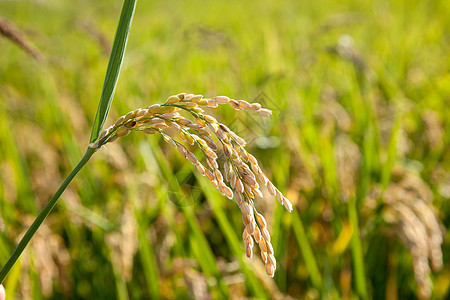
x=153, y=108
x=123, y=131
x=119, y=121
x=234, y=104
x=149, y=131
x=173, y=99
x=168, y=115
x=221, y=99
x=196, y=99
x=244, y=104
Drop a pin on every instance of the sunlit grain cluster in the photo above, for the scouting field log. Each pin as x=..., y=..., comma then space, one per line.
x=239, y=177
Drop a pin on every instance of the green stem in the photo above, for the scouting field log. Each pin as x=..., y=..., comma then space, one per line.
x=307, y=252
x=358, y=262
x=42, y=215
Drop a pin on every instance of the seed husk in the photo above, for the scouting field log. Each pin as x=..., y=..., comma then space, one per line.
x=221, y=99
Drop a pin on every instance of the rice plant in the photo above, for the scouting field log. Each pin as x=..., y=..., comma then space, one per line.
x=346, y=113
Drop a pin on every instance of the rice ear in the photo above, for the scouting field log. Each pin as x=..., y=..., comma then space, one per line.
x=196, y=129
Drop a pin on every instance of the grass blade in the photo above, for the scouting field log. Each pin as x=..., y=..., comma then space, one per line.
x=307, y=252
x=147, y=257
x=114, y=65
x=391, y=150
x=358, y=260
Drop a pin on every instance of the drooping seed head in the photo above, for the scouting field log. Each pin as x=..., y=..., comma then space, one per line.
x=199, y=129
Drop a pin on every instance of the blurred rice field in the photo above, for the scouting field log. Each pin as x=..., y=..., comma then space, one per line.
x=359, y=141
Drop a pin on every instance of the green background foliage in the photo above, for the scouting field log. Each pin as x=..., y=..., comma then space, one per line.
x=363, y=78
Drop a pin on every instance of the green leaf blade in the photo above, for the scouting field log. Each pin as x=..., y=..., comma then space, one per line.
x=114, y=65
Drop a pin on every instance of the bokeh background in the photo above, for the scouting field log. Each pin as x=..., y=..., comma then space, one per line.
x=359, y=141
